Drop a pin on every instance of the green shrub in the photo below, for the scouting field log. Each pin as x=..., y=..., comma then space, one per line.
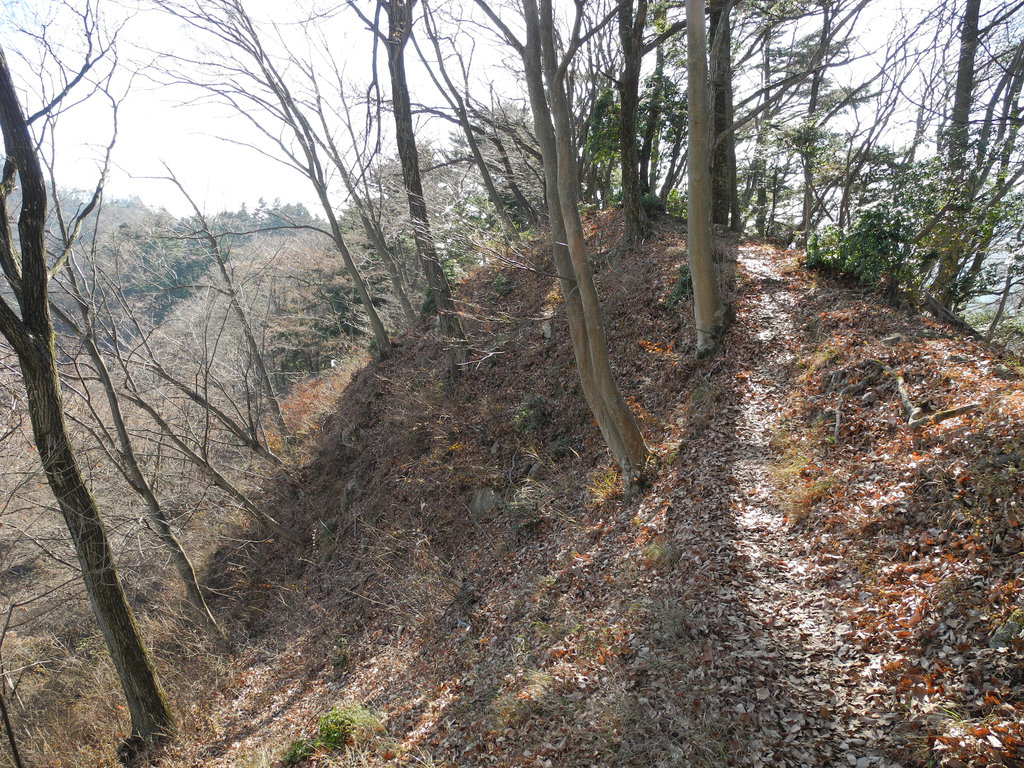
x=683, y=288
x=652, y=203
x=676, y=204
x=501, y=286
x=876, y=250
x=299, y=750
x=337, y=730
x=344, y=725
x=530, y=415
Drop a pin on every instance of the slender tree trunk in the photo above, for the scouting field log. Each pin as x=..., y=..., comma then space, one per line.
x=957, y=142
x=708, y=310
x=31, y=336
x=380, y=333
x=553, y=126
x=216, y=477
x=631, y=31
x=807, y=151
x=458, y=104
x=376, y=237
x=255, y=352
x=652, y=128
x=517, y=193
x=1004, y=295
x=8, y=726
x=399, y=27
x=676, y=161
x=150, y=715
x=725, y=209
x=141, y=485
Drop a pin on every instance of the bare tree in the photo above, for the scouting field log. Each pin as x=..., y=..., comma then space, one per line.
x=154, y=380
x=631, y=36
x=400, y=19
x=122, y=446
x=30, y=332
x=545, y=68
x=239, y=71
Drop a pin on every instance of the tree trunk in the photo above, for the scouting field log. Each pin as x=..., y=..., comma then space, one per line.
x=553, y=127
x=957, y=141
x=652, y=128
x=31, y=336
x=133, y=472
x=631, y=31
x=458, y=104
x=255, y=353
x=399, y=27
x=708, y=310
x=807, y=151
x=725, y=209
x=506, y=163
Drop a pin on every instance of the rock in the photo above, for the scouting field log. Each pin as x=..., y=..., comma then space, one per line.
x=495, y=448
x=484, y=500
x=1014, y=627
x=535, y=470
x=892, y=341
x=546, y=330
x=1003, y=372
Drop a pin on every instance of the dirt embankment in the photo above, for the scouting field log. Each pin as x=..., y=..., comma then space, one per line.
x=808, y=580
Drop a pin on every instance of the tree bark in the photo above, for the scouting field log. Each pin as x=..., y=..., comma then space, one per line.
x=652, y=128
x=140, y=484
x=957, y=141
x=708, y=310
x=399, y=14
x=631, y=32
x=553, y=127
x=807, y=151
x=725, y=208
x=31, y=336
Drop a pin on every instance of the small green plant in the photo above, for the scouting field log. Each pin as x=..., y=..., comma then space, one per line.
x=662, y=555
x=877, y=250
x=676, y=204
x=683, y=288
x=501, y=286
x=341, y=655
x=530, y=414
x=652, y=203
x=299, y=750
x=339, y=729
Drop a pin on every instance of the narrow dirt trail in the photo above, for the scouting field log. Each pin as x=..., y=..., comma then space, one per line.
x=834, y=711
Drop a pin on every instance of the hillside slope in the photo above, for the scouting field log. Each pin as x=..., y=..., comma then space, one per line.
x=807, y=581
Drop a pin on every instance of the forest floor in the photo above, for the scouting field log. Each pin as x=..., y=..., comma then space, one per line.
x=808, y=581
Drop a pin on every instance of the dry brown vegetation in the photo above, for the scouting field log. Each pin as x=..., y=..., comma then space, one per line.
x=786, y=592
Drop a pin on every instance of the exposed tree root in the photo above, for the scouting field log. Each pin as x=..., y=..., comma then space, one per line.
x=915, y=414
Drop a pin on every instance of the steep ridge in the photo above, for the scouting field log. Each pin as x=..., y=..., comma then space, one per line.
x=480, y=584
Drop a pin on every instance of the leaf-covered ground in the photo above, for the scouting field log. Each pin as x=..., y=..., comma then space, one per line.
x=807, y=581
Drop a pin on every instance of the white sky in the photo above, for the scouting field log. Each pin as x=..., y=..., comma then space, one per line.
x=155, y=127
x=160, y=124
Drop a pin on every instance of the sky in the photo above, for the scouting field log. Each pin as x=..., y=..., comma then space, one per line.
x=160, y=125
x=157, y=125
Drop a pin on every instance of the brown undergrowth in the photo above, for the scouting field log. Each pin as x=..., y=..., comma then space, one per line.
x=479, y=587
x=549, y=622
